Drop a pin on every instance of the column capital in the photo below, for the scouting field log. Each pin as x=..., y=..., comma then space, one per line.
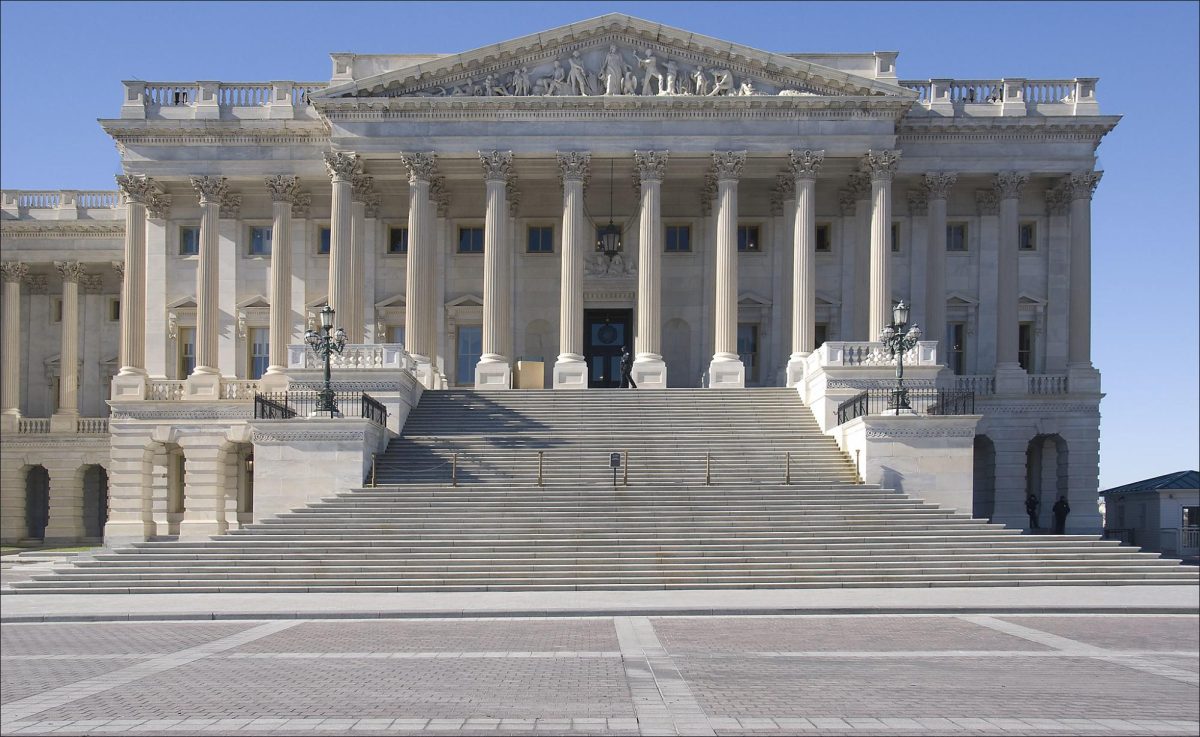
x=158, y=206
x=92, y=283
x=301, y=204
x=707, y=192
x=372, y=201
x=138, y=188
x=212, y=190
x=651, y=166
x=421, y=166
x=784, y=190
x=497, y=165
x=727, y=165
x=231, y=206
x=342, y=165
x=918, y=201
x=848, y=201
x=1008, y=184
x=1058, y=201
x=1081, y=185
x=14, y=271
x=859, y=184
x=71, y=271
x=881, y=165
x=987, y=202
x=361, y=186
x=937, y=184
x=513, y=194
x=805, y=164
x=119, y=267
x=439, y=195
x=283, y=188
x=574, y=166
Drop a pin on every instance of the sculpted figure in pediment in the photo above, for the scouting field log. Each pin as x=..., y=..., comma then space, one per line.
x=520, y=82
x=577, y=80
x=672, y=75
x=629, y=84
x=650, y=64
x=722, y=82
x=747, y=88
x=556, y=84
x=613, y=72
x=701, y=81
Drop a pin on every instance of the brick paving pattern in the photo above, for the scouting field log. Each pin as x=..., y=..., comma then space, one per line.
x=890, y=675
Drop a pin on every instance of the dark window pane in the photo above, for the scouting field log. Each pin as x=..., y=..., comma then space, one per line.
x=397, y=240
x=1028, y=240
x=824, y=239
x=260, y=241
x=541, y=240
x=470, y=240
x=323, y=246
x=956, y=237
x=678, y=239
x=189, y=240
x=895, y=237
x=748, y=239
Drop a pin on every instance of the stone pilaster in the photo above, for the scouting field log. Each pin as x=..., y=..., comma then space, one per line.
x=726, y=369
x=205, y=505
x=64, y=522
x=494, y=370
x=284, y=193
x=649, y=369
x=342, y=168
x=12, y=494
x=13, y=273
x=805, y=165
x=363, y=191
x=140, y=193
x=1081, y=186
x=205, y=381
x=570, y=370
x=64, y=420
x=1058, y=295
x=881, y=166
x=937, y=188
x=1010, y=377
x=419, y=316
x=130, y=486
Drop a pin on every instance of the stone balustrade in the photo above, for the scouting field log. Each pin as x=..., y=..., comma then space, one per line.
x=165, y=390
x=981, y=384
x=60, y=199
x=174, y=390
x=216, y=100
x=1048, y=384
x=92, y=426
x=354, y=356
x=871, y=353
x=1013, y=96
x=238, y=388
x=33, y=425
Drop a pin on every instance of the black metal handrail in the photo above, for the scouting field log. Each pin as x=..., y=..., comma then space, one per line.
x=923, y=402
x=290, y=404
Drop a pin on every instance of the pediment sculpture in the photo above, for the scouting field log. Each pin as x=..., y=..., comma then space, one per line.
x=600, y=266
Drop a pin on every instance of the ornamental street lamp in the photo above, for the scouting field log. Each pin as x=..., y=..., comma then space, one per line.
x=323, y=346
x=896, y=341
x=608, y=239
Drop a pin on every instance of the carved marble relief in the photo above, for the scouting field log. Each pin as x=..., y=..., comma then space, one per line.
x=607, y=71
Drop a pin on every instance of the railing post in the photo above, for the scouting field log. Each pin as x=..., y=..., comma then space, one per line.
x=541, y=454
x=708, y=469
x=454, y=469
x=625, y=475
x=373, y=458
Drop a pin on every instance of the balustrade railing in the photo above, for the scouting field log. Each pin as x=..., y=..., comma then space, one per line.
x=940, y=402
x=228, y=94
x=238, y=388
x=32, y=425
x=1038, y=91
x=1079, y=94
x=1189, y=538
x=1048, y=384
x=981, y=384
x=39, y=199
x=244, y=94
x=290, y=404
x=170, y=94
x=165, y=390
x=92, y=426
x=55, y=199
x=99, y=199
x=868, y=353
x=353, y=356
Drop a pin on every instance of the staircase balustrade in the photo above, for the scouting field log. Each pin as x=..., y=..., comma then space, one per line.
x=290, y=404
x=938, y=402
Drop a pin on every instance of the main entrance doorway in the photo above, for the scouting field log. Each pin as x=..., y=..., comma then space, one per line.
x=604, y=332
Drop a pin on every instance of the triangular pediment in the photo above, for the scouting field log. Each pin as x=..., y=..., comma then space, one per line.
x=614, y=55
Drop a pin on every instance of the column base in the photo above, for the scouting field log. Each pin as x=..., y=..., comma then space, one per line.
x=649, y=373
x=117, y=533
x=796, y=367
x=570, y=373
x=1011, y=379
x=424, y=371
x=493, y=375
x=726, y=373
x=9, y=422
x=64, y=422
x=274, y=382
x=1082, y=378
x=203, y=387
x=198, y=529
x=129, y=387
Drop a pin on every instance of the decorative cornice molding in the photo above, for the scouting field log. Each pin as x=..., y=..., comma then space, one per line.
x=184, y=411
x=574, y=166
x=14, y=272
x=1009, y=184
x=651, y=166
x=1081, y=185
x=881, y=165
x=497, y=165
x=938, y=431
x=421, y=166
x=313, y=436
x=63, y=229
x=212, y=190
x=937, y=184
x=987, y=202
x=727, y=165
x=806, y=164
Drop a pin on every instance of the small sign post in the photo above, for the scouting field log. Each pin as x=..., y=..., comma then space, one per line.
x=614, y=462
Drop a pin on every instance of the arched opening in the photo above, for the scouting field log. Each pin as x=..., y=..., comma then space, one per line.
x=175, y=484
x=37, y=502
x=983, y=501
x=1046, y=474
x=95, y=501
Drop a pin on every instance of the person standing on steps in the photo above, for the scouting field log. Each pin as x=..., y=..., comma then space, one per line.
x=1031, y=508
x=627, y=369
x=1061, y=510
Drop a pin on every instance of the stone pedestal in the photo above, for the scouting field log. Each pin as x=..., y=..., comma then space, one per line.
x=725, y=373
x=129, y=387
x=649, y=373
x=493, y=375
x=795, y=368
x=203, y=387
x=64, y=422
x=1011, y=379
x=570, y=373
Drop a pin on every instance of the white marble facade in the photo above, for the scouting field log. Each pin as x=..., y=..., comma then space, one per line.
x=766, y=203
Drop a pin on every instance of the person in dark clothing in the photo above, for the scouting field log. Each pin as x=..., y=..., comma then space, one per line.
x=1061, y=510
x=1031, y=508
x=627, y=369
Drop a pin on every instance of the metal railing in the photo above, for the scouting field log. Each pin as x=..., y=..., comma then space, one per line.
x=922, y=401
x=1123, y=534
x=290, y=404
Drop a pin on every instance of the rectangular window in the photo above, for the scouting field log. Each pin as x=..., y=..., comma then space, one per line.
x=397, y=240
x=895, y=237
x=824, y=238
x=1025, y=345
x=324, y=237
x=540, y=239
x=189, y=240
x=747, y=347
x=114, y=310
x=56, y=309
x=259, y=351
x=748, y=240
x=956, y=236
x=820, y=334
x=956, y=347
x=55, y=386
x=470, y=347
x=260, y=241
x=470, y=240
x=395, y=334
x=677, y=239
x=1028, y=238
x=187, y=351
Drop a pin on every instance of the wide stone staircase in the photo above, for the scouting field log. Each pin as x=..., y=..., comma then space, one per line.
x=513, y=491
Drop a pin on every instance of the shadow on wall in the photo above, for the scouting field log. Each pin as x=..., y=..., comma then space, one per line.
x=892, y=479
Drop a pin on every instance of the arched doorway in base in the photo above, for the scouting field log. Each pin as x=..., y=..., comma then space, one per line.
x=95, y=501
x=1046, y=474
x=37, y=502
x=983, y=500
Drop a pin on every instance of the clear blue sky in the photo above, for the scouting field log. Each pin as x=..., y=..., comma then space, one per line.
x=63, y=63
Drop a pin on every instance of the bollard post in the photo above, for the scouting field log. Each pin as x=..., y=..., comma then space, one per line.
x=708, y=469
x=454, y=469
x=787, y=474
x=373, y=455
x=540, y=454
x=625, y=476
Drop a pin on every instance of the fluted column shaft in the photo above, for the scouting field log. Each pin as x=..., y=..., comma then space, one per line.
x=725, y=342
x=1081, y=186
x=1008, y=191
x=496, y=287
x=356, y=266
x=207, y=301
x=68, y=360
x=340, y=279
x=649, y=314
x=570, y=338
x=937, y=186
x=804, y=278
x=882, y=167
x=10, y=383
x=418, y=289
x=133, y=292
x=281, y=285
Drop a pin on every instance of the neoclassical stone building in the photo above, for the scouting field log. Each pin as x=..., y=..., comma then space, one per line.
x=766, y=211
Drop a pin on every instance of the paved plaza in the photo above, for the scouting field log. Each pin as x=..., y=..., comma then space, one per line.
x=888, y=674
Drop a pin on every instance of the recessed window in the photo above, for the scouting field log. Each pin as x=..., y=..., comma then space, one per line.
x=748, y=239
x=187, y=351
x=114, y=310
x=895, y=237
x=956, y=341
x=677, y=239
x=1025, y=345
x=395, y=334
x=1028, y=237
x=820, y=334
x=747, y=347
x=56, y=309
x=259, y=351
x=539, y=239
x=470, y=347
x=824, y=238
x=189, y=240
x=956, y=236
x=397, y=240
x=470, y=240
x=324, y=237
x=260, y=241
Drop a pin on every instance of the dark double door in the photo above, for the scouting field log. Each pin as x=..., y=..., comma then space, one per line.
x=605, y=332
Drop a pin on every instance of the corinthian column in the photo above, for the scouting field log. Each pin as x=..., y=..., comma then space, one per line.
x=362, y=191
x=1083, y=377
x=804, y=165
x=342, y=168
x=494, y=370
x=1008, y=186
x=13, y=273
x=937, y=188
x=130, y=382
x=570, y=370
x=284, y=193
x=419, y=287
x=204, y=383
x=65, y=417
x=882, y=167
x=726, y=370
x=649, y=369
